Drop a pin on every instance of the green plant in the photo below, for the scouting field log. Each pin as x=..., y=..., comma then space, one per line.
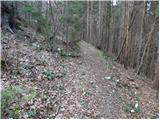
x=88, y=94
x=43, y=23
x=128, y=107
x=31, y=94
x=31, y=114
x=8, y=96
x=60, y=51
x=51, y=74
x=138, y=108
x=27, y=9
x=36, y=46
x=84, y=103
x=14, y=95
x=45, y=61
x=62, y=65
x=136, y=95
x=28, y=66
x=132, y=108
x=109, y=65
x=15, y=113
x=94, y=87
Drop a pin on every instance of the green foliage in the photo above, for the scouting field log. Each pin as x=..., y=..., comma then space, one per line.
x=128, y=107
x=157, y=12
x=8, y=96
x=63, y=53
x=14, y=95
x=15, y=113
x=45, y=61
x=109, y=65
x=31, y=114
x=42, y=22
x=27, y=9
x=137, y=109
x=73, y=21
x=73, y=12
x=136, y=95
x=28, y=66
x=133, y=107
x=60, y=51
x=87, y=94
x=84, y=103
x=36, y=46
x=32, y=94
x=51, y=74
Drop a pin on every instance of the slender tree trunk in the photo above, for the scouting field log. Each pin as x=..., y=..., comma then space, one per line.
x=141, y=37
x=156, y=77
x=91, y=22
x=88, y=20
x=145, y=48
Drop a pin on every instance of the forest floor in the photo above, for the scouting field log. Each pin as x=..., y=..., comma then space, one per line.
x=39, y=84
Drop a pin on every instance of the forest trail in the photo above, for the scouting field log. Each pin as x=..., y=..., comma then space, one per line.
x=90, y=86
x=105, y=93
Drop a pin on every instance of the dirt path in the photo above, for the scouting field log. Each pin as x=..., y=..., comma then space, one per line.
x=109, y=104
x=114, y=93
x=86, y=87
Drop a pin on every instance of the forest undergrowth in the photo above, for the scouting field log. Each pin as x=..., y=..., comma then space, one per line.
x=82, y=83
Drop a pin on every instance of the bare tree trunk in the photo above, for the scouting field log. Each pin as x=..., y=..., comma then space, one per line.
x=88, y=20
x=125, y=38
x=91, y=22
x=145, y=48
x=141, y=37
x=100, y=14
x=156, y=77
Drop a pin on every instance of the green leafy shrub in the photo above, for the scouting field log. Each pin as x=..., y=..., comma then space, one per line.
x=42, y=22
x=14, y=95
x=8, y=96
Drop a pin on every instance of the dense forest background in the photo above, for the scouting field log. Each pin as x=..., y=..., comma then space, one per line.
x=126, y=30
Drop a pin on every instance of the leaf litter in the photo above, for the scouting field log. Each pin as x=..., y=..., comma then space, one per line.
x=71, y=87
